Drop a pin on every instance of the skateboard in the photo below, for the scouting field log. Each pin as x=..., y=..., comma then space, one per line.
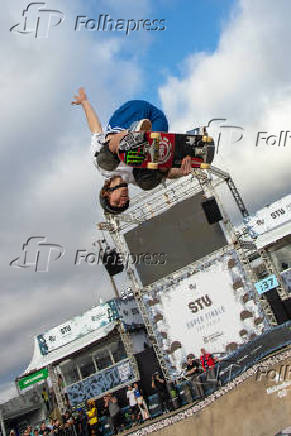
x=159, y=150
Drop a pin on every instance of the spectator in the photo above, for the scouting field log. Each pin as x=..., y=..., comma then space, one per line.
x=81, y=423
x=93, y=419
x=194, y=374
x=160, y=386
x=43, y=428
x=111, y=403
x=208, y=362
x=143, y=409
x=57, y=428
x=132, y=402
x=45, y=398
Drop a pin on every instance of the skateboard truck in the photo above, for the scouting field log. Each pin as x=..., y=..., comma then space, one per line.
x=153, y=165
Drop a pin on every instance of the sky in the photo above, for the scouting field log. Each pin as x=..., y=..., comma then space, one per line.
x=215, y=59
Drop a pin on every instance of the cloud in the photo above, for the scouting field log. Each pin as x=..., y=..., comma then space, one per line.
x=49, y=186
x=246, y=80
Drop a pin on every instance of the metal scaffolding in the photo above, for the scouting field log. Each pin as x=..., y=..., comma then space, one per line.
x=56, y=388
x=138, y=296
x=126, y=339
x=147, y=205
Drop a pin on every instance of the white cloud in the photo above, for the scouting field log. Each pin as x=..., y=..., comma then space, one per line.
x=49, y=186
x=246, y=80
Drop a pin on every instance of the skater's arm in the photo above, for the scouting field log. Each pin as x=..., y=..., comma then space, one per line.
x=91, y=116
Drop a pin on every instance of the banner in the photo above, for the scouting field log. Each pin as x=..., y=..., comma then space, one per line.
x=200, y=311
x=98, y=384
x=214, y=308
x=270, y=217
x=77, y=327
x=33, y=378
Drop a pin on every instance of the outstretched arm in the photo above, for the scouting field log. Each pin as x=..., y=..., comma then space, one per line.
x=92, y=119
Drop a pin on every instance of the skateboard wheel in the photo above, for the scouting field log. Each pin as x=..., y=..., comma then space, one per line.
x=207, y=138
x=204, y=166
x=155, y=135
x=152, y=166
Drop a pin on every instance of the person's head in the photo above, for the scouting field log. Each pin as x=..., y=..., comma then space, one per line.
x=114, y=196
x=130, y=388
x=26, y=432
x=135, y=385
x=12, y=433
x=36, y=432
x=29, y=428
x=203, y=351
x=91, y=403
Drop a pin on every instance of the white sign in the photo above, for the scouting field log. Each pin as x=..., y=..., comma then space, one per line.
x=272, y=216
x=203, y=311
x=77, y=327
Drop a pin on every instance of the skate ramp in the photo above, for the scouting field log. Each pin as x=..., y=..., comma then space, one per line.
x=259, y=405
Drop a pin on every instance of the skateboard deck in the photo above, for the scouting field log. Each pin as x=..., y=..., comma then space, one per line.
x=159, y=148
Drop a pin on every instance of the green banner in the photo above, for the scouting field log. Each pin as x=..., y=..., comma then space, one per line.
x=31, y=379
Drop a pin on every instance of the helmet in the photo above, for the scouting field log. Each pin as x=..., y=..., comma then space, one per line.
x=104, y=201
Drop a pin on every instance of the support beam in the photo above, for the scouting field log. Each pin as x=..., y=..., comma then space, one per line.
x=2, y=424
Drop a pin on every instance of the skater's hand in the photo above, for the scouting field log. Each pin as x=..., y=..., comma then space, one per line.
x=186, y=167
x=81, y=97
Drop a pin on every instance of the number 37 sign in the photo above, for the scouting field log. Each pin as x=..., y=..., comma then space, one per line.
x=266, y=284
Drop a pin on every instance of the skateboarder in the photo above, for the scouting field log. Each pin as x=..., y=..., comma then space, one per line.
x=134, y=115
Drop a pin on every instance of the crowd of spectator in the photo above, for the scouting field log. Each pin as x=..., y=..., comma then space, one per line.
x=107, y=418
x=202, y=373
